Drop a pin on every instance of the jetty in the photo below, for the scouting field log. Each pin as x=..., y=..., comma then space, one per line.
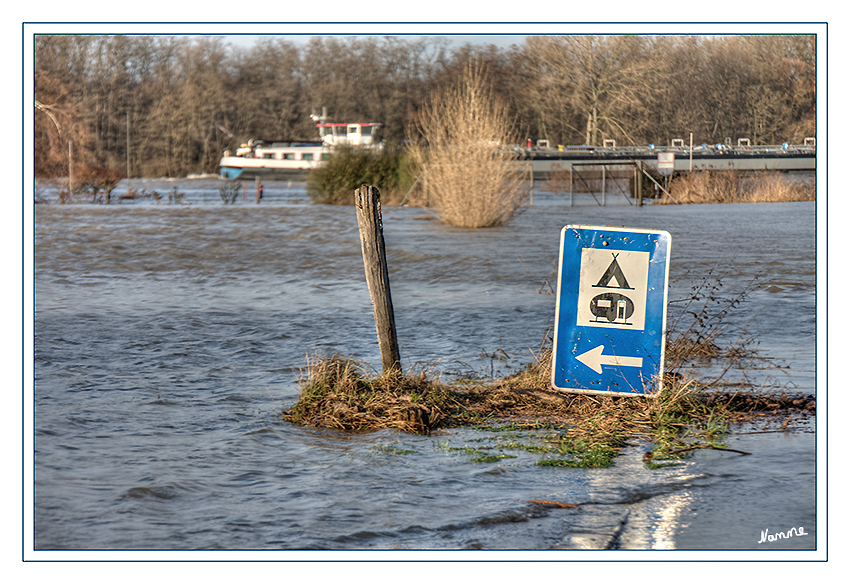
x=547, y=161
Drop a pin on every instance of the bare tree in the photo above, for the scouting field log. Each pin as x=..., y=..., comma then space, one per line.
x=178, y=93
x=58, y=117
x=603, y=78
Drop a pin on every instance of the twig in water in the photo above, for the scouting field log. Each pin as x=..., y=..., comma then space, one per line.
x=554, y=504
x=699, y=446
x=549, y=291
x=270, y=396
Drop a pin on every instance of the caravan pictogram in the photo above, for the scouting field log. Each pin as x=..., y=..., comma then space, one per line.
x=606, y=298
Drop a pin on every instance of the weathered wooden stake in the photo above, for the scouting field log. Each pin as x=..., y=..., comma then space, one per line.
x=367, y=200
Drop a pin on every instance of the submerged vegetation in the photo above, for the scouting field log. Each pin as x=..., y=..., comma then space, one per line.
x=390, y=169
x=453, y=158
x=564, y=430
x=569, y=430
x=734, y=186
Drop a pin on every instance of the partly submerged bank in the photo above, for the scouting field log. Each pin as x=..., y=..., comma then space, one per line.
x=570, y=430
x=686, y=188
x=579, y=429
x=733, y=186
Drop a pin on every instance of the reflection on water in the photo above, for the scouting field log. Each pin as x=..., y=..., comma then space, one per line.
x=669, y=520
x=170, y=336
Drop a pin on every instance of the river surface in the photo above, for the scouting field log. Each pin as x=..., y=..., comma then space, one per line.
x=169, y=337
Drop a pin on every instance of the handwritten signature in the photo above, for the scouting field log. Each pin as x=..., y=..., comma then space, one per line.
x=793, y=532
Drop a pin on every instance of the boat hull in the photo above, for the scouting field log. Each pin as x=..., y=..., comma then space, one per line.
x=239, y=168
x=233, y=173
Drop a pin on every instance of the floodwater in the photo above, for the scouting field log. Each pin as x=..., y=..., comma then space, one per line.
x=170, y=336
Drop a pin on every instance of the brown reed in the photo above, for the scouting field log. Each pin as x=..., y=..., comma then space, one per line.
x=735, y=186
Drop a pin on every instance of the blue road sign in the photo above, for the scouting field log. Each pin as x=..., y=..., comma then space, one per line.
x=611, y=310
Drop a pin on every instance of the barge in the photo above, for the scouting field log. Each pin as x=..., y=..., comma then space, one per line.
x=294, y=160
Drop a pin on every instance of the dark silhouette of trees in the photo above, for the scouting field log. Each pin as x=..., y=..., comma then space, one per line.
x=169, y=106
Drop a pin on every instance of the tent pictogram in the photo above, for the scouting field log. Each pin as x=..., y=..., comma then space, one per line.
x=614, y=272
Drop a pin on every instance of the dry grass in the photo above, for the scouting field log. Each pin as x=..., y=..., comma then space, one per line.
x=774, y=187
x=467, y=178
x=337, y=393
x=732, y=186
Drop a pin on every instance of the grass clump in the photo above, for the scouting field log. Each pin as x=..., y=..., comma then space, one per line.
x=477, y=455
x=337, y=393
x=392, y=450
x=584, y=454
x=568, y=430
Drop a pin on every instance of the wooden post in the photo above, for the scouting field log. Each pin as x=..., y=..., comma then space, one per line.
x=639, y=183
x=603, y=185
x=128, y=146
x=70, y=169
x=367, y=200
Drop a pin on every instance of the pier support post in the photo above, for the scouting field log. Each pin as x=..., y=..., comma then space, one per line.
x=603, y=185
x=367, y=200
x=639, y=183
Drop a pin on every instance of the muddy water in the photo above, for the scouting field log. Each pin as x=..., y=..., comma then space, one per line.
x=169, y=337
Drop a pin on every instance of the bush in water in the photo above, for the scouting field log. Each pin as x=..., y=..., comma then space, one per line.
x=348, y=168
x=468, y=178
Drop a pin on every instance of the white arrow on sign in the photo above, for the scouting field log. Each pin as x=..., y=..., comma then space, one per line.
x=595, y=359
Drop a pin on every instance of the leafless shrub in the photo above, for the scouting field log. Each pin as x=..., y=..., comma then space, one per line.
x=468, y=178
x=135, y=194
x=229, y=191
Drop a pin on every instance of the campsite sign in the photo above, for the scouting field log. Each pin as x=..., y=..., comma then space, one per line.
x=611, y=310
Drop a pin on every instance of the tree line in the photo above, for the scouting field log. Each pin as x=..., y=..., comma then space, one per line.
x=169, y=105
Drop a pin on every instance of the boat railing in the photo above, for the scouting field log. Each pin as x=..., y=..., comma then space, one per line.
x=295, y=145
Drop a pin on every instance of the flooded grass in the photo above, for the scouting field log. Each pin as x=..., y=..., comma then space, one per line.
x=733, y=186
x=564, y=429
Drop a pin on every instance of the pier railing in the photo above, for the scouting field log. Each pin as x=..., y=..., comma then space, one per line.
x=652, y=150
